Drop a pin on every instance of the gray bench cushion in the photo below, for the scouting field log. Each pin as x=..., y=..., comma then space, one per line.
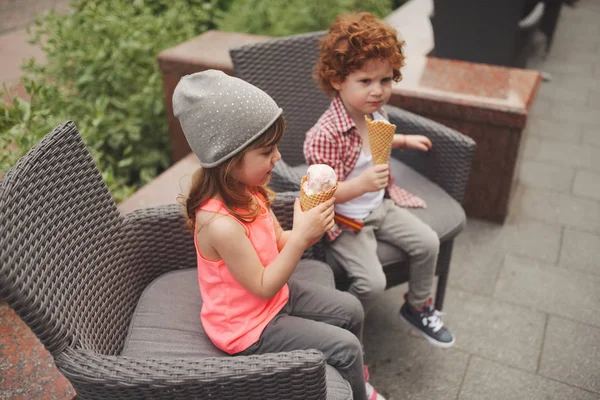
x=166, y=322
x=444, y=214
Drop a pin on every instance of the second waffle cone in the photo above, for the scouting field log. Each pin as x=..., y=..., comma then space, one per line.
x=381, y=135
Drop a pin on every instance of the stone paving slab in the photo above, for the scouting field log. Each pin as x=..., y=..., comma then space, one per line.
x=570, y=56
x=550, y=289
x=561, y=93
x=417, y=371
x=587, y=15
x=540, y=108
x=383, y=316
x=403, y=366
x=568, y=154
x=575, y=114
x=581, y=251
x=595, y=152
x=546, y=128
x=577, y=82
x=491, y=381
x=531, y=147
x=496, y=330
x=546, y=176
x=572, y=354
x=594, y=100
x=583, y=44
x=475, y=269
x=587, y=184
x=567, y=31
x=561, y=66
x=536, y=239
x=591, y=134
x=557, y=208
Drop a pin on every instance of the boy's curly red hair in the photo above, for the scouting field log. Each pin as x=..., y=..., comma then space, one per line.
x=353, y=40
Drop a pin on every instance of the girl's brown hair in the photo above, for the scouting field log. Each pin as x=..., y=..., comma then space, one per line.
x=218, y=181
x=353, y=40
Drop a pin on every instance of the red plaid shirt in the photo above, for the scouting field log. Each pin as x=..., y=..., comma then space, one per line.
x=335, y=141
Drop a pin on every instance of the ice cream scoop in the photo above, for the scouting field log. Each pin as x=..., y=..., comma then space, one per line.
x=317, y=186
x=319, y=178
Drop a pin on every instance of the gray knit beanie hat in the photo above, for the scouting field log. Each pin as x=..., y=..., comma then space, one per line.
x=220, y=115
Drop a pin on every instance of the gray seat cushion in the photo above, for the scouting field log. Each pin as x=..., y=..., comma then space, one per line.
x=166, y=322
x=444, y=214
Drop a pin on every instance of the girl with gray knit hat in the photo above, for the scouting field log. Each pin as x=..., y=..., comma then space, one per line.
x=245, y=259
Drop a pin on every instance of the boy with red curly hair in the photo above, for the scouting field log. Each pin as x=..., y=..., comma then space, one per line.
x=360, y=58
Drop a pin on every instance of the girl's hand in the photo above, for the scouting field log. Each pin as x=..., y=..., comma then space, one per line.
x=309, y=226
x=418, y=142
x=375, y=178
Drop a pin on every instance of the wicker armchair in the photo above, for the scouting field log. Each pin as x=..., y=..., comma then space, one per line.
x=115, y=299
x=283, y=68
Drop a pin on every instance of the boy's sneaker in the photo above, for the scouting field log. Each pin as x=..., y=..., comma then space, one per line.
x=428, y=323
x=372, y=394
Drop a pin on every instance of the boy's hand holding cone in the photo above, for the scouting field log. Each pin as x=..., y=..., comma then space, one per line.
x=318, y=186
x=381, y=134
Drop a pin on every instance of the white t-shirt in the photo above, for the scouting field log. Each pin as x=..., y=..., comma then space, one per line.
x=361, y=206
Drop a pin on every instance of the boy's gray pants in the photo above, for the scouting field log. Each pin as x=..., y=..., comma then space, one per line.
x=322, y=318
x=357, y=253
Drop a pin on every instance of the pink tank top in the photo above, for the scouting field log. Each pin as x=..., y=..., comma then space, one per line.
x=232, y=317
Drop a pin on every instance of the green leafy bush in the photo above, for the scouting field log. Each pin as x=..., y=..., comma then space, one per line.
x=101, y=72
x=282, y=18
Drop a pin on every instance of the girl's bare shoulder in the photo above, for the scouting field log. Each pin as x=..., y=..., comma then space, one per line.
x=217, y=225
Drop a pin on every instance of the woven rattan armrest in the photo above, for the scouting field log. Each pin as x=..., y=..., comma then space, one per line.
x=291, y=375
x=447, y=163
x=159, y=239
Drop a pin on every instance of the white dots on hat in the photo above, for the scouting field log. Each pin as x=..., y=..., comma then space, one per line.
x=213, y=135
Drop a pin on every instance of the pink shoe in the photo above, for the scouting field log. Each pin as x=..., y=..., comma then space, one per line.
x=372, y=394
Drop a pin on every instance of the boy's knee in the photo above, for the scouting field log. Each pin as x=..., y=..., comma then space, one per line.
x=429, y=243
x=369, y=287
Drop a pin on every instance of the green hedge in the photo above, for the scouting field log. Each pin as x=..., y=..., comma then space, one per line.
x=101, y=72
x=282, y=18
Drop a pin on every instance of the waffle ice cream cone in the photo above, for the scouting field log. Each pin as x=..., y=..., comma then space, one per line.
x=308, y=201
x=381, y=134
